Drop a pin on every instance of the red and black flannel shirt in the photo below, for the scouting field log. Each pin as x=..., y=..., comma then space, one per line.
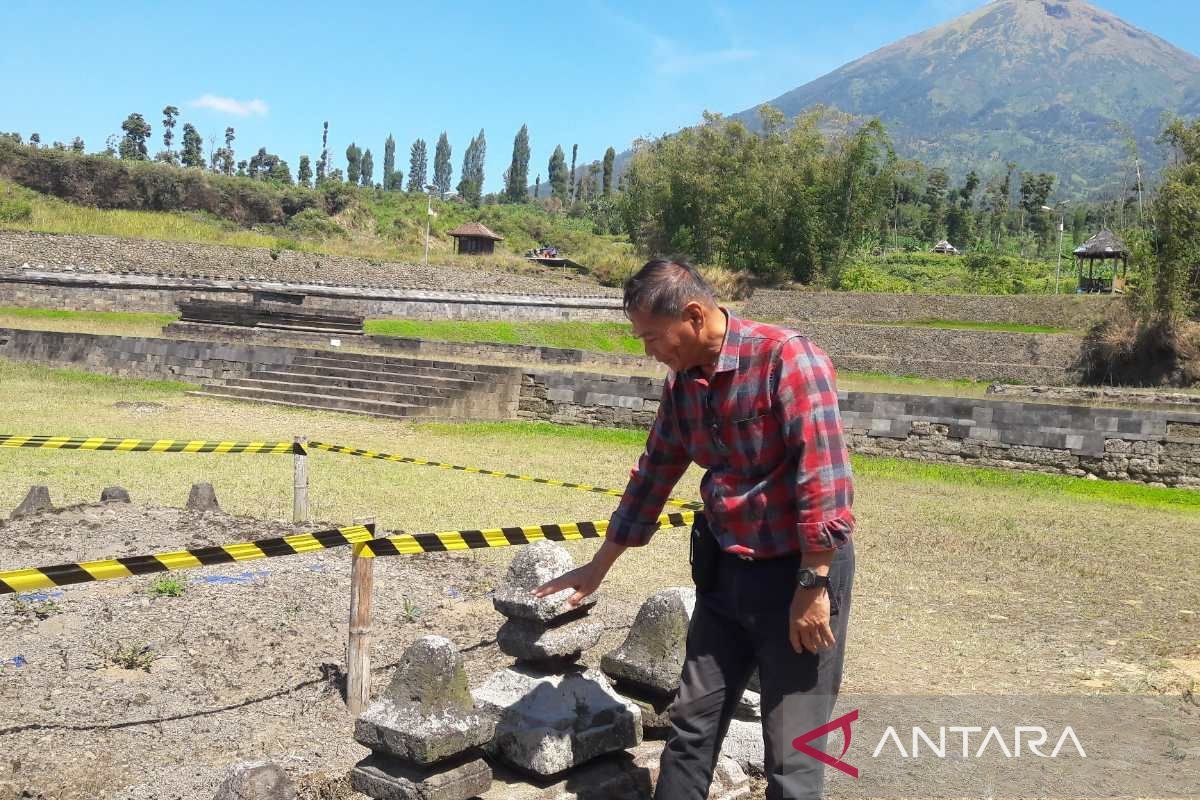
x=767, y=428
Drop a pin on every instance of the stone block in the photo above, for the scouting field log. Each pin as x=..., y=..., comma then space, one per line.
x=202, y=497
x=256, y=780
x=533, y=565
x=655, y=708
x=386, y=778
x=652, y=654
x=547, y=723
x=114, y=494
x=744, y=745
x=37, y=500
x=533, y=641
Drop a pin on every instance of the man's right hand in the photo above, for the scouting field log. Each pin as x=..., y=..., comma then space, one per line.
x=584, y=580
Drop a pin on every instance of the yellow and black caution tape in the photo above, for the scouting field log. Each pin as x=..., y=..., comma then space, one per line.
x=354, y=451
x=445, y=541
x=147, y=445
x=24, y=580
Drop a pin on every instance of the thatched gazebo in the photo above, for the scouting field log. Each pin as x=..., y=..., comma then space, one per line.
x=1103, y=247
x=945, y=248
x=474, y=238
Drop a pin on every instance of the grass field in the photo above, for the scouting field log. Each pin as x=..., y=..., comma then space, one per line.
x=969, y=579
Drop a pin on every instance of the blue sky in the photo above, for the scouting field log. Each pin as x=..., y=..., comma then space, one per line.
x=595, y=72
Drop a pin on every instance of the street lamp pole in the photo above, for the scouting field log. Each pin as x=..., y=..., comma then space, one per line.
x=428, y=216
x=1061, y=224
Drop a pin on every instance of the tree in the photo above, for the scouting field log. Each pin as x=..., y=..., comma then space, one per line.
x=470, y=185
x=323, y=160
x=557, y=174
x=610, y=156
x=266, y=166
x=418, y=163
x=304, y=173
x=192, y=154
x=537, y=187
x=1035, y=192
x=1173, y=290
x=441, y=165
x=77, y=145
x=353, y=163
x=34, y=140
x=574, y=153
x=227, y=157
x=367, y=168
x=133, y=144
x=935, y=201
x=169, y=115
x=516, y=189
x=389, y=164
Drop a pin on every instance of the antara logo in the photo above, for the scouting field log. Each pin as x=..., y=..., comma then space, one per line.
x=1034, y=738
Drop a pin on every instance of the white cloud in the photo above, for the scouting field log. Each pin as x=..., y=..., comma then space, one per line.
x=227, y=105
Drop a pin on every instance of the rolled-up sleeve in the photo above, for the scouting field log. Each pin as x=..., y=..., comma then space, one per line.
x=652, y=480
x=805, y=398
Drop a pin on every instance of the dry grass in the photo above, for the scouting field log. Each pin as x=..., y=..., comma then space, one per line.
x=969, y=580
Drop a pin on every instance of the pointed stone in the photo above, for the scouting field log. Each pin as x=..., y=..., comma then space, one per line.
x=426, y=714
x=256, y=780
x=36, y=501
x=114, y=494
x=533, y=565
x=202, y=498
x=548, y=723
x=651, y=658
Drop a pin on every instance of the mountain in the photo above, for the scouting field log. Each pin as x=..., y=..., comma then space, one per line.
x=1048, y=84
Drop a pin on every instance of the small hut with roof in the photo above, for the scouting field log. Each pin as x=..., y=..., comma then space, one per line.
x=1104, y=248
x=474, y=238
x=945, y=248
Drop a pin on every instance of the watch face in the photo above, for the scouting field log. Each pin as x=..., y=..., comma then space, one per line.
x=806, y=578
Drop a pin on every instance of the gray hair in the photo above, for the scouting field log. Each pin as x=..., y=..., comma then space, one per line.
x=663, y=287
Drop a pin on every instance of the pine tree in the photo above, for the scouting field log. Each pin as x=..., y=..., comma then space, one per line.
x=367, y=167
x=35, y=139
x=133, y=144
x=610, y=157
x=557, y=175
x=441, y=165
x=323, y=160
x=169, y=115
x=571, y=185
x=517, y=188
x=470, y=186
x=304, y=173
x=418, y=163
x=389, y=164
x=77, y=145
x=192, y=154
x=353, y=163
x=537, y=187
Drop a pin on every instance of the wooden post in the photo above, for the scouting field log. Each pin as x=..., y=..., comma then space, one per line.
x=358, y=647
x=300, y=480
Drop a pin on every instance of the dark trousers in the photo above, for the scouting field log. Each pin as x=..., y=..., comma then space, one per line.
x=742, y=623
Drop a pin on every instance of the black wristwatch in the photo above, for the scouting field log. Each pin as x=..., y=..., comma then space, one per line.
x=807, y=579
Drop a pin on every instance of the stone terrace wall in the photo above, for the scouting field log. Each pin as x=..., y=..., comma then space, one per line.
x=1161, y=447
x=1071, y=311
x=112, y=254
x=1156, y=447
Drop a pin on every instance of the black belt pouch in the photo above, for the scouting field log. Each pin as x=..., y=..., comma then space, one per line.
x=703, y=555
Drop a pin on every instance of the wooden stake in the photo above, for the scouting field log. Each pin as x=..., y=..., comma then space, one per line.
x=358, y=648
x=300, y=481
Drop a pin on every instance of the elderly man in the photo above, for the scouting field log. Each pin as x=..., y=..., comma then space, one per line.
x=773, y=559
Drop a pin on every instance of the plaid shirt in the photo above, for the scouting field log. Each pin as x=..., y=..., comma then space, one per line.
x=767, y=428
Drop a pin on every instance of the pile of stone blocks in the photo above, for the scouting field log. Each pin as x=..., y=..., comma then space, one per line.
x=424, y=732
x=551, y=715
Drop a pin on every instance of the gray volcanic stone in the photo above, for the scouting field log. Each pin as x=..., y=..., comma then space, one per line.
x=385, y=778
x=114, y=494
x=729, y=781
x=653, y=653
x=426, y=714
x=36, y=501
x=202, y=497
x=533, y=565
x=749, y=707
x=532, y=641
x=550, y=723
x=256, y=780
x=744, y=744
x=655, y=708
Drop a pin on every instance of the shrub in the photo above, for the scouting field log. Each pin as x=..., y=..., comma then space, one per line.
x=15, y=210
x=315, y=223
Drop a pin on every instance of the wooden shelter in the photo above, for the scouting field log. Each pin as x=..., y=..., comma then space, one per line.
x=1104, y=247
x=474, y=238
x=946, y=248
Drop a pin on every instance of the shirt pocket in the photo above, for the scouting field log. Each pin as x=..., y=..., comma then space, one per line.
x=754, y=445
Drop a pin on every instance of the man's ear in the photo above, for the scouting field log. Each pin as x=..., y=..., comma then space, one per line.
x=693, y=314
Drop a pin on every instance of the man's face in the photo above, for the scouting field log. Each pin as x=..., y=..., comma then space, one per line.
x=673, y=341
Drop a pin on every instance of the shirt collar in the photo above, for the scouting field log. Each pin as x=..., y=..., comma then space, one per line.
x=731, y=347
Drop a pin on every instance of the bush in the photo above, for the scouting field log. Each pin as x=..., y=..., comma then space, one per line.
x=315, y=223
x=15, y=210
x=1126, y=351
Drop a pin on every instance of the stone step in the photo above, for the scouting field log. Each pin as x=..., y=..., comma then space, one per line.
x=414, y=386
x=321, y=401
x=307, y=388
x=384, y=367
x=407, y=361
x=373, y=374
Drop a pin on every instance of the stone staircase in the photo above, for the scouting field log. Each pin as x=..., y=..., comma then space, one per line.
x=381, y=386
